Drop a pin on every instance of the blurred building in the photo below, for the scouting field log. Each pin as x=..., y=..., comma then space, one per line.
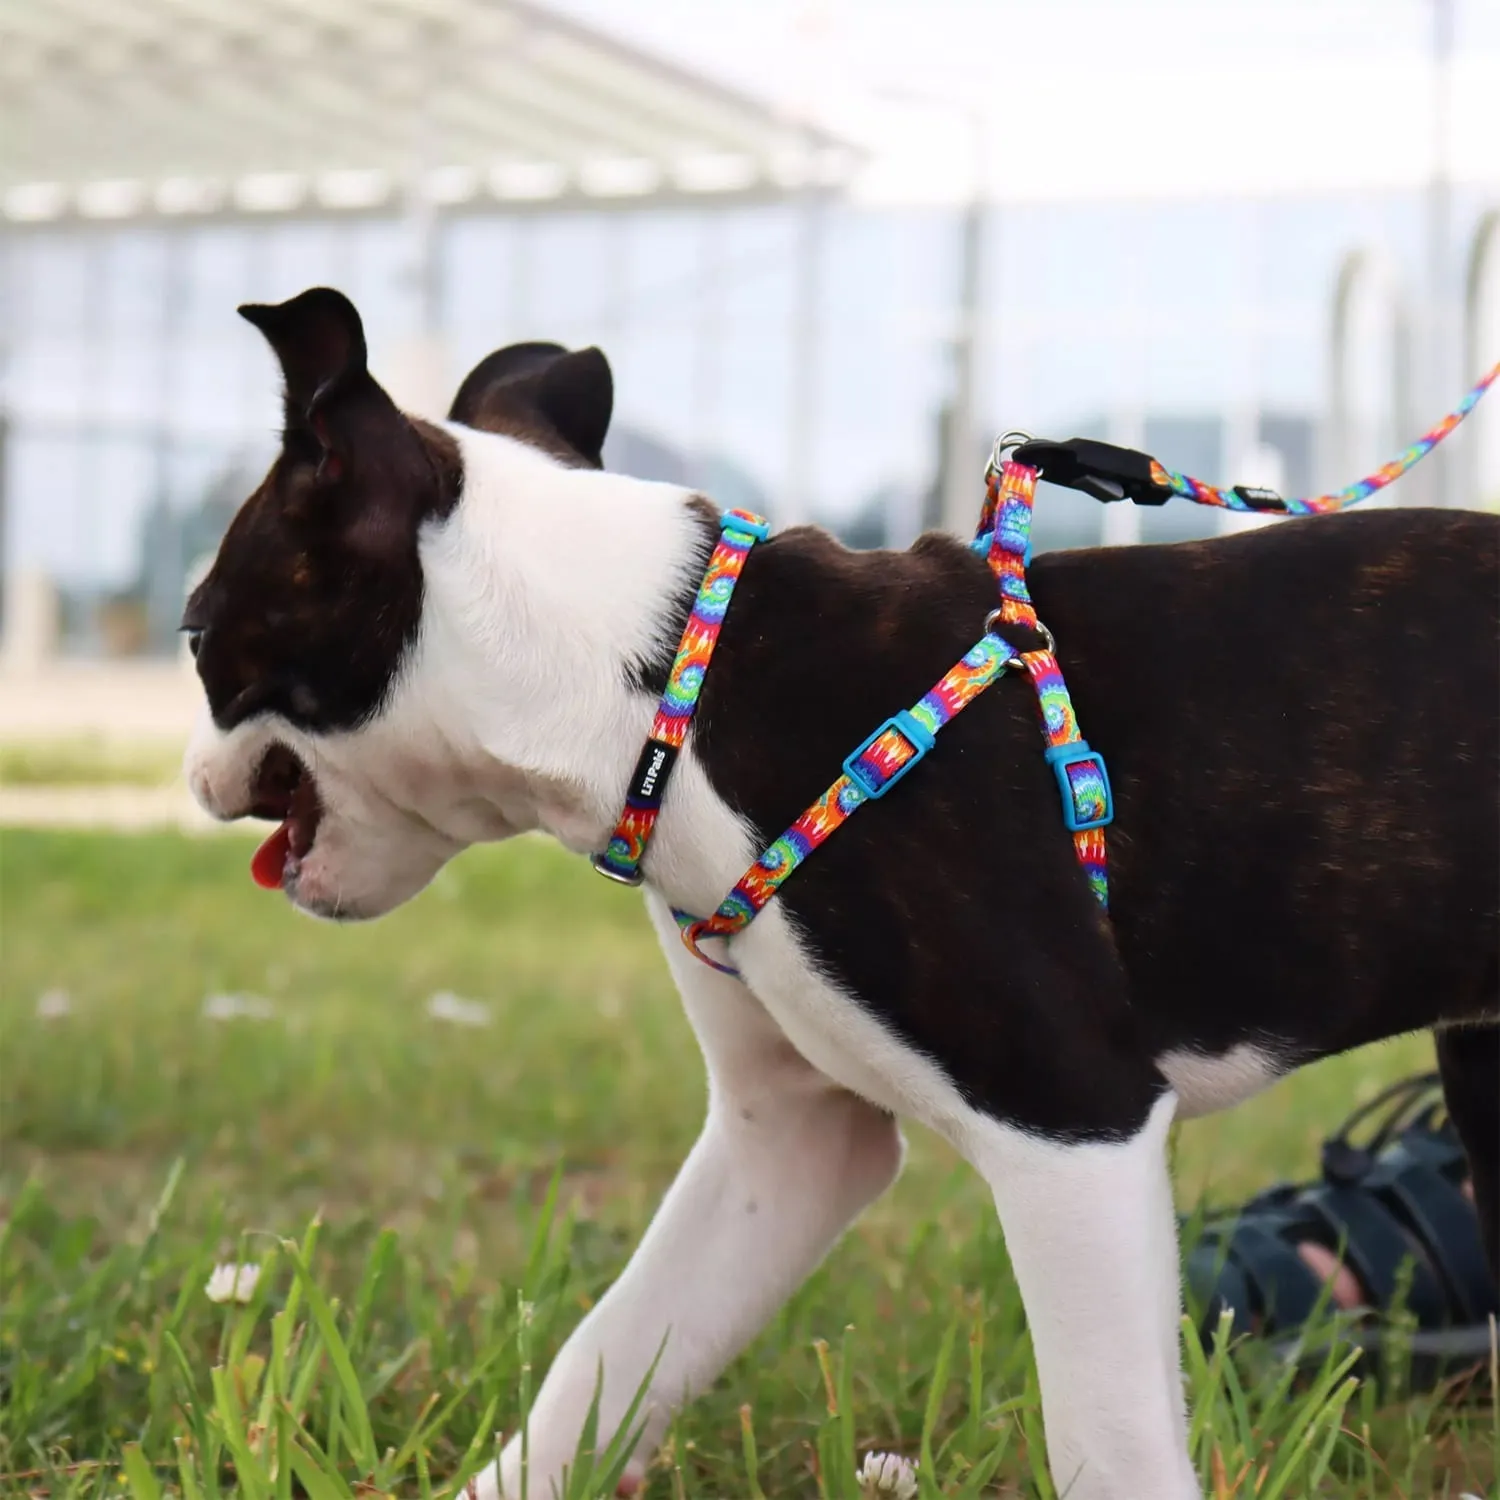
x=474, y=172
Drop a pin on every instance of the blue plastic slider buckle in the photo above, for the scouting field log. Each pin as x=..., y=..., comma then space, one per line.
x=756, y=529
x=1060, y=757
x=915, y=733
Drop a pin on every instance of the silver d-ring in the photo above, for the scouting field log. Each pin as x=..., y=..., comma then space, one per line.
x=1049, y=641
x=1003, y=444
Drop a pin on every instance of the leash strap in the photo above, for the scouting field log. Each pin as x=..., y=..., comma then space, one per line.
x=1110, y=473
x=869, y=773
x=621, y=859
x=1242, y=499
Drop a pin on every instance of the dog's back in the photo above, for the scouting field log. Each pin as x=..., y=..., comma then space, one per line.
x=1301, y=729
x=1303, y=724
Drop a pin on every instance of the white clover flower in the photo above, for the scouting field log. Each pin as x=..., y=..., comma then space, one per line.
x=232, y=1283
x=232, y=1007
x=446, y=1006
x=53, y=1004
x=887, y=1474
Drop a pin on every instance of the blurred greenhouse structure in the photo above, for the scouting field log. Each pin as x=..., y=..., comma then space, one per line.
x=474, y=172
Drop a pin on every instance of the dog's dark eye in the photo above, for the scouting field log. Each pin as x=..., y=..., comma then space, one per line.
x=194, y=640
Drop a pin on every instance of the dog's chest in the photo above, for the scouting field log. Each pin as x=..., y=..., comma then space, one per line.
x=835, y=1033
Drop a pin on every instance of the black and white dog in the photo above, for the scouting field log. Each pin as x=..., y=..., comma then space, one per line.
x=417, y=636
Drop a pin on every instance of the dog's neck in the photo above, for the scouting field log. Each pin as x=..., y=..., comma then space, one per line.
x=541, y=590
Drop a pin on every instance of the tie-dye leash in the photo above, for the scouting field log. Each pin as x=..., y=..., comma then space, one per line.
x=1111, y=473
x=893, y=749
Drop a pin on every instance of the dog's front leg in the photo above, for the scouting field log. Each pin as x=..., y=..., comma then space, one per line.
x=1093, y=1241
x=786, y=1159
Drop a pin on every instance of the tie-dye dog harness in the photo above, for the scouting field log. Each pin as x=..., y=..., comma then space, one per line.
x=885, y=756
x=876, y=765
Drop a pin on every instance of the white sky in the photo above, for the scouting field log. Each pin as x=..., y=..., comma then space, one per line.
x=1103, y=97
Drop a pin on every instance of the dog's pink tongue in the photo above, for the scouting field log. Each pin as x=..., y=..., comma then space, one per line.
x=270, y=859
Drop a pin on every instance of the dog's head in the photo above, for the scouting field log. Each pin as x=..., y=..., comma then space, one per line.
x=308, y=630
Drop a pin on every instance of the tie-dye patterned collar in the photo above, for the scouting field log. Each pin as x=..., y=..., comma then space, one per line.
x=621, y=860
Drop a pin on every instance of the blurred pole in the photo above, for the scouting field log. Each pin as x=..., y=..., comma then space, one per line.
x=426, y=266
x=523, y=230
x=1439, y=362
x=807, y=64
x=1336, y=456
x=419, y=375
x=1247, y=459
x=806, y=348
x=1367, y=422
x=86, y=564
x=708, y=346
x=1407, y=417
x=954, y=501
x=1120, y=523
x=254, y=286
x=962, y=491
x=165, y=575
x=962, y=481
x=614, y=327
x=1481, y=476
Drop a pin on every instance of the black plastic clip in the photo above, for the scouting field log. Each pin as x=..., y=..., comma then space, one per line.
x=1099, y=469
x=1258, y=498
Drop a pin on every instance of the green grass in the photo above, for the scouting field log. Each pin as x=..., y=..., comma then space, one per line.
x=89, y=761
x=385, y=1346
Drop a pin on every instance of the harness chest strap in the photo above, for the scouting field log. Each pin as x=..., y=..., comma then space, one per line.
x=869, y=773
x=893, y=749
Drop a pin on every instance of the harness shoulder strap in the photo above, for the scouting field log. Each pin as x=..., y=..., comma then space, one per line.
x=1082, y=779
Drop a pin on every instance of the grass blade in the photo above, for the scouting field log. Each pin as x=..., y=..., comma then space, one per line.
x=356, y=1412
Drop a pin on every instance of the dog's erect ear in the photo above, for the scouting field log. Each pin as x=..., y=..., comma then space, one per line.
x=512, y=363
x=542, y=393
x=332, y=400
x=378, y=477
x=319, y=340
